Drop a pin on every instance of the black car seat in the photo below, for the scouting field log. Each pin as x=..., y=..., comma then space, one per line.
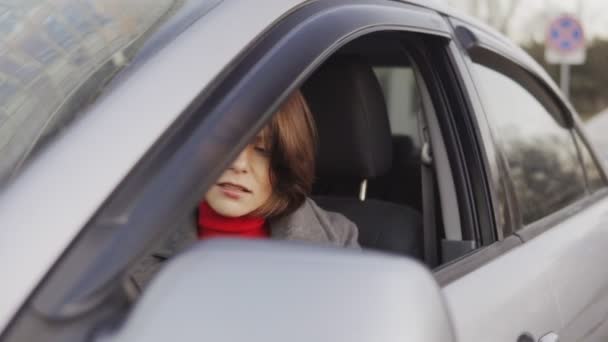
x=355, y=146
x=402, y=183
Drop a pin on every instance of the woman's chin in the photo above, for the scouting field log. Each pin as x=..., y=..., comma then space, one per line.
x=229, y=209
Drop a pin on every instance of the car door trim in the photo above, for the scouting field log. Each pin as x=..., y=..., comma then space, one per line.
x=474, y=260
x=546, y=223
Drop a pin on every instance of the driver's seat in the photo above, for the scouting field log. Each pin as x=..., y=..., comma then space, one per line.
x=355, y=145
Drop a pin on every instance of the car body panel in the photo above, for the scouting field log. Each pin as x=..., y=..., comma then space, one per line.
x=504, y=298
x=576, y=250
x=554, y=282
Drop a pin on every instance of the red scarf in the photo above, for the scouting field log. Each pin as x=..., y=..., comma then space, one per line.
x=212, y=224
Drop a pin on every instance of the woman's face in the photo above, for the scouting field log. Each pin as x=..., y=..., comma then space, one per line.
x=245, y=185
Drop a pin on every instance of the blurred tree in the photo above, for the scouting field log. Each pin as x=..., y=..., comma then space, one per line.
x=589, y=82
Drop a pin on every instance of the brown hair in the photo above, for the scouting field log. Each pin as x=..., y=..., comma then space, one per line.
x=291, y=140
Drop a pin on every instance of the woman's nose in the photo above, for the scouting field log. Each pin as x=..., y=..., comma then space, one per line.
x=240, y=164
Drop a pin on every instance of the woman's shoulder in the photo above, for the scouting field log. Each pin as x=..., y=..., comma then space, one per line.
x=337, y=224
x=312, y=223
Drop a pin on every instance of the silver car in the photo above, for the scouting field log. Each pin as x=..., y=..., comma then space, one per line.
x=481, y=206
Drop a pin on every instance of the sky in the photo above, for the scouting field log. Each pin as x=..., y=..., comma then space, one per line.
x=530, y=18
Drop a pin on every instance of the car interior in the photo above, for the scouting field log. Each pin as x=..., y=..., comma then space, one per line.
x=366, y=103
x=367, y=108
x=362, y=169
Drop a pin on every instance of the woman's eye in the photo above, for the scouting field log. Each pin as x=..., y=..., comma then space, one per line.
x=260, y=149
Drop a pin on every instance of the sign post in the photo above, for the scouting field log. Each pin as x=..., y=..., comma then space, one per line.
x=565, y=45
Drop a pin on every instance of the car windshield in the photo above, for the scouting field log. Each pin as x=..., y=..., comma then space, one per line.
x=57, y=56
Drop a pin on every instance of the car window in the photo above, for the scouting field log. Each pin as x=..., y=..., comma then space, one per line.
x=595, y=179
x=402, y=99
x=402, y=184
x=539, y=149
x=56, y=57
x=403, y=87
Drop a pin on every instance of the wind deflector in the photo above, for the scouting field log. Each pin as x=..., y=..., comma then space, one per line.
x=466, y=37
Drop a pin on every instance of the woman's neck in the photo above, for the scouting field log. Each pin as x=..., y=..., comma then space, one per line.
x=213, y=224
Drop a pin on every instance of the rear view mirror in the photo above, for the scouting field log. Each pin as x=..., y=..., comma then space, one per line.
x=266, y=291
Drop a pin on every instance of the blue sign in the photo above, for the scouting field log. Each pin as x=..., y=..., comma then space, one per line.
x=566, y=34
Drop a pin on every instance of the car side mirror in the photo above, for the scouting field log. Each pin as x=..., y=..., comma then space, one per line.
x=232, y=290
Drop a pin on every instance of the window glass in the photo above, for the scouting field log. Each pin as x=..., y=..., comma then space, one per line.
x=402, y=100
x=595, y=180
x=541, y=156
x=401, y=184
x=57, y=57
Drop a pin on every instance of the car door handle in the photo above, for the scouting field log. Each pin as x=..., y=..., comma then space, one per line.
x=550, y=337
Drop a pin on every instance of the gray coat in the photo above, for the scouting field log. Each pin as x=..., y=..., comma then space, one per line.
x=308, y=223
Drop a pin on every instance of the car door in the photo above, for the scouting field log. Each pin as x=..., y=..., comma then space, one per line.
x=86, y=289
x=557, y=197
x=487, y=298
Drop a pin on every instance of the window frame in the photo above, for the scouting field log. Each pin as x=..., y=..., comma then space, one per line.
x=475, y=42
x=582, y=138
x=462, y=86
x=459, y=132
x=542, y=94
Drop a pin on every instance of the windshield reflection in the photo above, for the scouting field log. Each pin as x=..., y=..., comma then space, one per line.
x=56, y=56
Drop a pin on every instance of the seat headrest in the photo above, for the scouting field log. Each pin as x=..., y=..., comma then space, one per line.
x=348, y=105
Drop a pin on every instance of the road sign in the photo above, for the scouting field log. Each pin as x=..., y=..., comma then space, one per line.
x=565, y=41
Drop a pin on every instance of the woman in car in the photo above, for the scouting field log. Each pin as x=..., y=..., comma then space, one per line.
x=264, y=193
